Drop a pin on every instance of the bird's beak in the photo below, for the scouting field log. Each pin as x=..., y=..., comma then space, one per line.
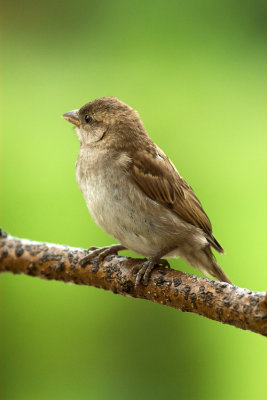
x=72, y=116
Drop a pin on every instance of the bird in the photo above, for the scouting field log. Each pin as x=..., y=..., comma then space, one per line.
x=135, y=194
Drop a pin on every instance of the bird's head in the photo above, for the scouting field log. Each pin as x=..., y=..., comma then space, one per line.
x=103, y=117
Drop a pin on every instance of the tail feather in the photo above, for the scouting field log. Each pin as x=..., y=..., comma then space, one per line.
x=205, y=261
x=213, y=267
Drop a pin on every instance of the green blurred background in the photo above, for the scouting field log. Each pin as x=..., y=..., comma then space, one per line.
x=196, y=72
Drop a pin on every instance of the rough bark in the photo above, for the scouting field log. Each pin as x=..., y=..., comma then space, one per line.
x=215, y=300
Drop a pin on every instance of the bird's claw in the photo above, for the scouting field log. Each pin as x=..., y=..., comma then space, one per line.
x=145, y=269
x=101, y=253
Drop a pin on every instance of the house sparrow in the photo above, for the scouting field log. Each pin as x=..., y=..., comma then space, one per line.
x=135, y=193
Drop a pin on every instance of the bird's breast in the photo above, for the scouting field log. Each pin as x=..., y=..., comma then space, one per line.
x=106, y=192
x=123, y=210
x=116, y=204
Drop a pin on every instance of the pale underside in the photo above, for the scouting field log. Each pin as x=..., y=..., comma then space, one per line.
x=126, y=213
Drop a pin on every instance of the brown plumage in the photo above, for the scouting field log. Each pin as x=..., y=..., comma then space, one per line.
x=167, y=187
x=135, y=193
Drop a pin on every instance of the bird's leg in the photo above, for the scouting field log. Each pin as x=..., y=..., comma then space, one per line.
x=101, y=253
x=144, y=269
x=149, y=268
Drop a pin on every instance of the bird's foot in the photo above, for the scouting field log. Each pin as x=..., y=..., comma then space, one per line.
x=101, y=253
x=145, y=269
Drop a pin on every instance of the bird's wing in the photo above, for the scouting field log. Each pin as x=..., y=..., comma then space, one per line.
x=157, y=177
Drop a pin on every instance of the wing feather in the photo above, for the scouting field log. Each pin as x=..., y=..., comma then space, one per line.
x=157, y=177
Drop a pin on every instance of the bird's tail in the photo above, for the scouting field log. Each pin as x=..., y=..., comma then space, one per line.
x=206, y=263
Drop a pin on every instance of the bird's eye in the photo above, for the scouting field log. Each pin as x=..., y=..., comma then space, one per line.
x=88, y=118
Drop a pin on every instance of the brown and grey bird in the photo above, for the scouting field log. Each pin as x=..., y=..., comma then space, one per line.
x=134, y=192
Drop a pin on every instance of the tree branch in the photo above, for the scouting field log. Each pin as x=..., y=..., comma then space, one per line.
x=215, y=300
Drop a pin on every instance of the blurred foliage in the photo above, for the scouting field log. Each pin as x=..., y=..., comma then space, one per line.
x=196, y=72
